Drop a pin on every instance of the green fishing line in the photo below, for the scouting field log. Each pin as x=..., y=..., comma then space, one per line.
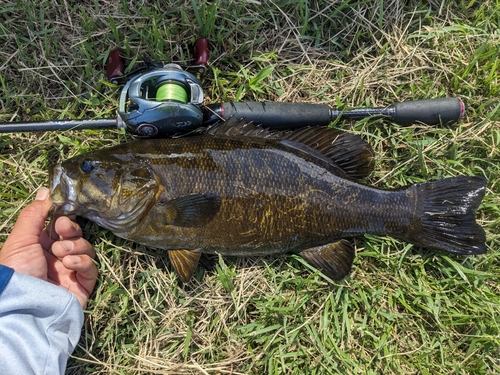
x=171, y=91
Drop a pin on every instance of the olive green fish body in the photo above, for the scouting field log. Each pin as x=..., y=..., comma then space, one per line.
x=271, y=200
x=256, y=194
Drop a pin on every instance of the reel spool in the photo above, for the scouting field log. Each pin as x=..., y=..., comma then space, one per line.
x=171, y=91
x=161, y=102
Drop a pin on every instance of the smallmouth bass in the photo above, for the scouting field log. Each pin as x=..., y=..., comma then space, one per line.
x=242, y=190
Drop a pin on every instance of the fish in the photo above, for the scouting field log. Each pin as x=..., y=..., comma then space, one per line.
x=237, y=189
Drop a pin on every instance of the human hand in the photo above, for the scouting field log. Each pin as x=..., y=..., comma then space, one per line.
x=57, y=253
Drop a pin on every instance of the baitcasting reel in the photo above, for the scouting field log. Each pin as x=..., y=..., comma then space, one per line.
x=160, y=100
x=166, y=99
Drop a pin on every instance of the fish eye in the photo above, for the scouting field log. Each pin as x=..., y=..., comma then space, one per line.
x=87, y=166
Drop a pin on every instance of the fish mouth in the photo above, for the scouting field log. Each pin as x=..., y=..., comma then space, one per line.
x=62, y=192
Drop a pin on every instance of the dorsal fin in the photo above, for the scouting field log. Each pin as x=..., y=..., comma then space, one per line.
x=241, y=128
x=348, y=151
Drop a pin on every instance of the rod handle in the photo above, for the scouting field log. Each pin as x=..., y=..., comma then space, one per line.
x=279, y=115
x=429, y=111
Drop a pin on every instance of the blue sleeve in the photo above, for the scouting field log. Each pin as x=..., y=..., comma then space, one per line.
x=5, y=275
x=40, y=324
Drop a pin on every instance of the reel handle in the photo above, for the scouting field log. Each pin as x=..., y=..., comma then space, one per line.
x=115, y=66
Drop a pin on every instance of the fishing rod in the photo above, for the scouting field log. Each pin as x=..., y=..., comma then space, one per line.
x=167, y=100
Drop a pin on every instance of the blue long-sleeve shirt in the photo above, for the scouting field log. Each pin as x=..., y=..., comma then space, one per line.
x=40, y=325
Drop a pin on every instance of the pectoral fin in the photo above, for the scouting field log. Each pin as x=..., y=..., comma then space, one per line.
x=184, y=262
x=334, y=260
x=194, y=210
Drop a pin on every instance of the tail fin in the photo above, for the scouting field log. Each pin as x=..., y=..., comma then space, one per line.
x=448, y=215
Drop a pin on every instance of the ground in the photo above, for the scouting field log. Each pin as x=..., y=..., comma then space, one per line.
x=402, y=309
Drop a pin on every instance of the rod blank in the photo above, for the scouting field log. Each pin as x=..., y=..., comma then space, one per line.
x=51, y=125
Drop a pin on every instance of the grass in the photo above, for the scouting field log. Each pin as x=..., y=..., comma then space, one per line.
x=403, y=309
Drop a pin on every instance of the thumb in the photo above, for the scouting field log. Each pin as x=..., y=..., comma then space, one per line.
x=31, y=220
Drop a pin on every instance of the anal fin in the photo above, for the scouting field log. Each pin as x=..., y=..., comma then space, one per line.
x=184, y=262
x=334, y=259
